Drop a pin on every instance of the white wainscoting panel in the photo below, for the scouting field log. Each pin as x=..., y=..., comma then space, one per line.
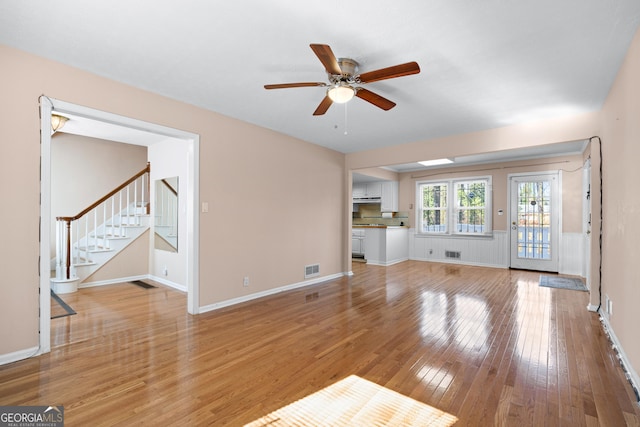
x=492, y=251
x=571, y=259
x=483, y=251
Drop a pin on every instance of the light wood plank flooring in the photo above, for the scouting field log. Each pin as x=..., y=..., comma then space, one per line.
x=488, y=346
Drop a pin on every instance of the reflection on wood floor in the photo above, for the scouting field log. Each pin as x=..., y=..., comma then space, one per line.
x=488, y=346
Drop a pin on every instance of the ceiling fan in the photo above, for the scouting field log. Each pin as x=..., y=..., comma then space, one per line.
x=344, y=80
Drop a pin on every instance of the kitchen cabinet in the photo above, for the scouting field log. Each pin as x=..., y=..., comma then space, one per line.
x=356, y=246
x=389, y=196
x=386, y=245
x=359, y=190
x=366, y=189
x=357, y=241
x=374, y=189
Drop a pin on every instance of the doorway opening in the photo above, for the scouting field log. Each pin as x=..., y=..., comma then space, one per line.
x=191, y=174
x=534, y=221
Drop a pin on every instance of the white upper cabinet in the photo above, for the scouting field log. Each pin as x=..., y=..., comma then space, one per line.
x=374, y=189
x=387, y=191
x=389, y=196
x=359, y=190
x=366, y=189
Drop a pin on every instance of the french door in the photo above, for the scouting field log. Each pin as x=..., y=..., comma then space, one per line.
x=534, y=221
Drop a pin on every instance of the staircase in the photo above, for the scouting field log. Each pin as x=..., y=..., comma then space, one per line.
x=89, y=240
x=102, y=244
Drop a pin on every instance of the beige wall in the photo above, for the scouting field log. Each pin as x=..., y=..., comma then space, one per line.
x=571, y=128
x=276, y=203
x=133, y=261
x=621, y=173
x=382, y=174
x=571, y=167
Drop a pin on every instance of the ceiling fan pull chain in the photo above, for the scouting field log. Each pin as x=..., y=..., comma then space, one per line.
x=345, y=118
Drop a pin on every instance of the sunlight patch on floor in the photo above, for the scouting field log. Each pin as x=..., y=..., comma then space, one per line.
x=354, y=401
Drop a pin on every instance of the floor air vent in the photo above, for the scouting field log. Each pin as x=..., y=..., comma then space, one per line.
x=311, y=270
x=452, y=254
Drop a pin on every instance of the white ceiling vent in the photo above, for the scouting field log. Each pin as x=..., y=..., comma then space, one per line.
x=311, y=270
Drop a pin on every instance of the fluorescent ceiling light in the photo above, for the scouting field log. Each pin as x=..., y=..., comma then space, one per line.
x=436, y=162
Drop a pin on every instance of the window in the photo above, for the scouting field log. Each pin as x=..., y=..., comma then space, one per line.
x=465, y=212
x=434, y=207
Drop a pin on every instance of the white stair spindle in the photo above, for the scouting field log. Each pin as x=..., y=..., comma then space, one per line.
x=113, y=208
x=95, y=227
x=135, y=201
x=104, y=219
x=128, y=203
x=143, y=192
x=86, y=239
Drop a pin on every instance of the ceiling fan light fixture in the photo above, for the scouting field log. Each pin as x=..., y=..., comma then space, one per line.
x=341, y=93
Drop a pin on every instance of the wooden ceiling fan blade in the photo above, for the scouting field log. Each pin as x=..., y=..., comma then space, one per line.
x=390, y=72
x=326, y=56
x=375, y=99
x=323, y=107
x=289, y=85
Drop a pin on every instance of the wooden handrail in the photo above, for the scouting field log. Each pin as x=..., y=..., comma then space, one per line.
x=107, y=196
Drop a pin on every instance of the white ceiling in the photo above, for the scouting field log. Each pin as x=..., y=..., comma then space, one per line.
x=484, y=64
x=80, y=125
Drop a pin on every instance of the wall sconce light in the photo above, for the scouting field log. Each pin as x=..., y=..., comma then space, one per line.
x=57, y=122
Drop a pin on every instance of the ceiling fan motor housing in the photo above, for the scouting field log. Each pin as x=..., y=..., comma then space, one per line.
x=348, y=66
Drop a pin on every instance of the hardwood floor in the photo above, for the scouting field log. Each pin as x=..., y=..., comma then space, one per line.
x=488, y=346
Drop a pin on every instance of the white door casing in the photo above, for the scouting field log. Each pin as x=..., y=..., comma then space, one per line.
x=47, y=106
x=534, y=221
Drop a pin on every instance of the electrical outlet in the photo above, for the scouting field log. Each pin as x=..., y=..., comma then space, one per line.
x=165, y=271
x=245, y=281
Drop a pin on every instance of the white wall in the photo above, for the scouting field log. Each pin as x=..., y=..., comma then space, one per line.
x=168, y=159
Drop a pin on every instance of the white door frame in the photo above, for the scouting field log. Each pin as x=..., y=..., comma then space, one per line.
x=47, y=105
x=557, y=218
x=586, y=221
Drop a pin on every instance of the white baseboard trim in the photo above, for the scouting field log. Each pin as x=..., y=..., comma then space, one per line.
x=19, y=355
x=165, y=282
x=176, y=286
x=473, y=264
x=593, y=308
x=388, y=263
x=112, y=281
x=245, y=298
x=631, y=374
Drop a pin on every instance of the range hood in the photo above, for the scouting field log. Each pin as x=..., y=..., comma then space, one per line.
x=367, y=200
